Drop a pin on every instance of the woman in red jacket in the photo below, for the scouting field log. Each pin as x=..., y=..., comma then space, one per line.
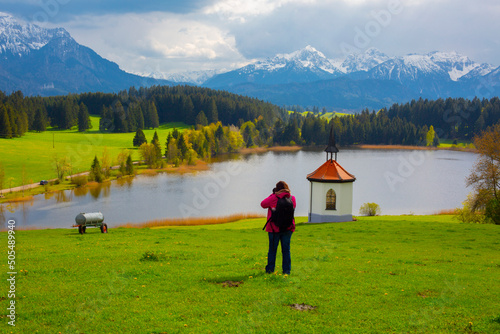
x=275, y=236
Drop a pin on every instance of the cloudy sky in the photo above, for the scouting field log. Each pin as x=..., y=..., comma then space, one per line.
x=188, y=35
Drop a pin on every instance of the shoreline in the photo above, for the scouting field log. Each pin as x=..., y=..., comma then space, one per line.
x=27, y=192
x=36, y=189
x=229, y=219
x=410, y=147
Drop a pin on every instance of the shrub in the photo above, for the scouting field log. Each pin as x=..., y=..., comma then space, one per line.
x=79, y=180
x=370, y=209
x=492, y=211
x=466, y=214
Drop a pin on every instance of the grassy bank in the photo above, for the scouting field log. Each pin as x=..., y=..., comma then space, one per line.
x=411, y=274
x=35, y=151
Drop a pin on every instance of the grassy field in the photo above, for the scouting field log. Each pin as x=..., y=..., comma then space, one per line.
x=405, y=274
x=35, y=151
x=448, y=143
x=327, y=115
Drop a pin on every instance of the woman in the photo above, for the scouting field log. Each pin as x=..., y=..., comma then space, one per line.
x=275, y=236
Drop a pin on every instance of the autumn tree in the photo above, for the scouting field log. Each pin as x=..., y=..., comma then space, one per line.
x=106, y=163
x=485, y=178
x=431, y=134
x=148, y=154
x=61, y=166
x=122, y=160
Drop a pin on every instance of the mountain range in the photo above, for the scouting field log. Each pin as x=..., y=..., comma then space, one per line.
x=46, y=62
x=369, y=79
x=39, y=61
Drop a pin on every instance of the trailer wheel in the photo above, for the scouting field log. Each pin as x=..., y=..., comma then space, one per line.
x=80, y=229
x=104, y=228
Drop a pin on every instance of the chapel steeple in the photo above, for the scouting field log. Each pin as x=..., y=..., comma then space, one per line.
x=332, y=146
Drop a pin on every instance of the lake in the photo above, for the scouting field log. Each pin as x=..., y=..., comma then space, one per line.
x=400, y=181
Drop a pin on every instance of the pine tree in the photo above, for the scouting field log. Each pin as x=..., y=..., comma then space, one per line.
x=83, y=118
x=119, y=118
x=156, y=142
x=175, y=133
x=139, y=117
x=139, y=138
x=213, y=115
x=129, y=167
x=182, y=146
x=106, y=120
x=40, y=122
x=5, y=127
x=167, y=143
x=201, y=119
x=153, y=116
x=95, y=171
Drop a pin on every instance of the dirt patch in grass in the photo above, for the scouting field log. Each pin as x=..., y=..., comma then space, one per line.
x=231, y=284
x=303, y=307
x=427, y=293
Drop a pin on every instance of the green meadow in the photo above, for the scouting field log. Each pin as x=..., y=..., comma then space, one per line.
x=327, y=115
x=35, y=152
x=388, y=274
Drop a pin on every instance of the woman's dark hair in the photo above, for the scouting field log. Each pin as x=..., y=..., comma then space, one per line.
x=281, y=185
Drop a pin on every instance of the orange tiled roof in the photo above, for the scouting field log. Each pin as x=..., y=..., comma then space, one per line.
x=331, y=171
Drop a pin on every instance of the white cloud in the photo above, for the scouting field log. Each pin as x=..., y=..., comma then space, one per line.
x=228, y=33
x=241, y=10
x=142, y=42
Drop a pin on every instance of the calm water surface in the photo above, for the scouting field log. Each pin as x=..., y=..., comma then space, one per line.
x=401, y=182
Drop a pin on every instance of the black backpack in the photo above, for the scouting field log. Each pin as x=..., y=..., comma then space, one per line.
x=282, y=217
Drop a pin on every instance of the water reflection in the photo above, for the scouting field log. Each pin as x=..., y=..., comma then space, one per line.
x=97, y=189
x=8, y=210
x=81, y=191
x=63, y=196
x=125, y=182
x=437, y=184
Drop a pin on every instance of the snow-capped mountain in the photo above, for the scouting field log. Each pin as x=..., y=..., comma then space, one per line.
x=455, y=64
x=309, y=64
x=370, y=78
x=304, y=65
x=362, y=61
x=191, y=77
x=431, y=75
x=43, y=61
x=19, y=39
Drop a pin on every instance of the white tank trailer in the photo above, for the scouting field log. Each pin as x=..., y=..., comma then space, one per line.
x=95, y=219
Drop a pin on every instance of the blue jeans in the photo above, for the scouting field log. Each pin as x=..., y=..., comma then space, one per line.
x=274, y=240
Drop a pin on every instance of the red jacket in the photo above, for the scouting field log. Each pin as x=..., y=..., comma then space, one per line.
x=270, y=203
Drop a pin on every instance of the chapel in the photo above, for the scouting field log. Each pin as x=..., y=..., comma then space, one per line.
x=331, y=189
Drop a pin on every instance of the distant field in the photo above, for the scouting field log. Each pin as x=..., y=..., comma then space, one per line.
x=388, y=274
x=35, y=151
x=449, y=144
x=327, y=115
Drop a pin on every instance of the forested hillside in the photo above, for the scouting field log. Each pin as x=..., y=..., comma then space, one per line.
x=259, y=122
